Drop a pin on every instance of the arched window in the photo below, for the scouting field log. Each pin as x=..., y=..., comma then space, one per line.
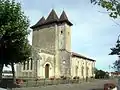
x=28, y=65
x=31, y=64
x=87, y=71
x=76, y=70
x=24, y=65
x=82, y=71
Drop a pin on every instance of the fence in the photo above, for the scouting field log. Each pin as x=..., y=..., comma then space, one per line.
x=30, y=82
x=45, y=82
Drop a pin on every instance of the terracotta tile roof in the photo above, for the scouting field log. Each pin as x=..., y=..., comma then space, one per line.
x=115, y=73
x=81, y=56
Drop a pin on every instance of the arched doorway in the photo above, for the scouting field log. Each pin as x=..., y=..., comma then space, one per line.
x=47, y=70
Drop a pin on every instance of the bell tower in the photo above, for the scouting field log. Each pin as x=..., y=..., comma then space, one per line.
x=44, y=33
x=53, y=35
x=64, y=32
x=64, y=45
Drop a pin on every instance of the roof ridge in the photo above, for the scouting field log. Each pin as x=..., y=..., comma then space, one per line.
x=64, y=18
x=52, y=17
x=78, y=54
x=40, y=22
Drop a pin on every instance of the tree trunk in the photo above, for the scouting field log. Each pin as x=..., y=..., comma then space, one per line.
x=13, y=72
x=1, y=69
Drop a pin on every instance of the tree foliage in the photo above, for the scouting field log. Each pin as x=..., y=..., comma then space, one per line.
x=14, y=46
x=113, y=9
x=101, y=74
x=116, y=65
x=112, y=6
x=116, y=51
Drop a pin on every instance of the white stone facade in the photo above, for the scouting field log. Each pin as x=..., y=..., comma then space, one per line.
x=52, y=56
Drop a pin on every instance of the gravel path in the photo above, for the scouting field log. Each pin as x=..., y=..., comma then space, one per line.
x=95, y=85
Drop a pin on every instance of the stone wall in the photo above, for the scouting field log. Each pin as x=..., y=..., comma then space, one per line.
x=44, y=38
x=46, y=59
x=82, y=67
x=65, y=64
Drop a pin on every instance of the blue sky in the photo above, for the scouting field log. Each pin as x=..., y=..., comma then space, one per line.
x=93, y=33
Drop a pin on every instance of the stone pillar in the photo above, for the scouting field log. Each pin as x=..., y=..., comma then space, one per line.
x=65, y=63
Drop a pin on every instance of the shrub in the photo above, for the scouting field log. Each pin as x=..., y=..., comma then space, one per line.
x=76, y=77
x=63, y=77
x=52, y=78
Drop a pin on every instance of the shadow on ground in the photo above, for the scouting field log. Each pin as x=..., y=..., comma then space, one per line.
x=98, y=89
x=8, y=83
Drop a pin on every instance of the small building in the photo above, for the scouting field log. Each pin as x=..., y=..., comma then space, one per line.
x=52, y=55
x=114, y=74
x=7, y=74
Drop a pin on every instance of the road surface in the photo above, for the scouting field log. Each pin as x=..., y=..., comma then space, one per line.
x=95, y=85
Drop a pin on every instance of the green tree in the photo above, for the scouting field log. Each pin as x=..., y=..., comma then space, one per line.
x=95, y=70
x=112, y=6
x=113, y=9
x=14, y=47
x=101, y=74
x=116, y=51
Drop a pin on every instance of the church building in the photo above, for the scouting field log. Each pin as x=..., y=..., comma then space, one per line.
x=52, y=55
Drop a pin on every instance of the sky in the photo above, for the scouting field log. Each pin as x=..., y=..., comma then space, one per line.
x=93, y=31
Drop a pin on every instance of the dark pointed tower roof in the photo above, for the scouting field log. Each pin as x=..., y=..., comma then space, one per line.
x=39, y=23
x=64, y=18
x=52, y=17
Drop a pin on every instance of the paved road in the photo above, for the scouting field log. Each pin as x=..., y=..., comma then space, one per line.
x=95, y=85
